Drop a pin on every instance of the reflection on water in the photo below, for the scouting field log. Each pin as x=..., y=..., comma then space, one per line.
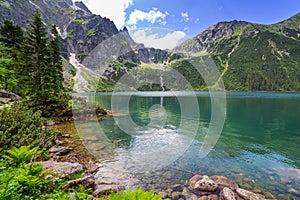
x=259, y=145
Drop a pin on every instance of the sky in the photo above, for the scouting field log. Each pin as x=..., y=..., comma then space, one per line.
x=182, y=19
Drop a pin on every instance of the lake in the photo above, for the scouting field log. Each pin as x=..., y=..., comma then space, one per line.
x=156, y=137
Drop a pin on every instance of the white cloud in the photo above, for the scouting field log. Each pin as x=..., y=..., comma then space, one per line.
x=154, y=15
x=197, y=20
x=185, y=16
x=114, y=10
x=167, y=41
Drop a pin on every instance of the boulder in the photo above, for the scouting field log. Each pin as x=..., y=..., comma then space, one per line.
x=247, y=195
x=87, y=182
x=102, y=190
x=203, y=183
x=223, y=181
x=227, y=194
x=63, y=168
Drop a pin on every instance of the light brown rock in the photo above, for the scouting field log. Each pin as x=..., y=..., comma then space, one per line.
x=212, y=197
x=223, y=181
x=247, y=195
x=227, y=194
x=176, y=195
x=163, y=194
x=205, y=184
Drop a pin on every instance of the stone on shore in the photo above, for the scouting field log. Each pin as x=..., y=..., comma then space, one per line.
x=223, y=181
x=203, y=183
x=247, y=195
x=87, y=182
x=227, y=194
x=63, y=168
x=60, y=150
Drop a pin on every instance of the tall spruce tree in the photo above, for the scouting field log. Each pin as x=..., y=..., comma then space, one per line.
x=12, y=35
x=36, y=54
x=11, y=38
x=44, y=66
x=56, y=62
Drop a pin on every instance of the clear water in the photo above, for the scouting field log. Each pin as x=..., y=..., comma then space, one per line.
x=259, y=146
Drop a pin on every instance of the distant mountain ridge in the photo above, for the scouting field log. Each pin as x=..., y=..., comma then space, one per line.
x=252, y=56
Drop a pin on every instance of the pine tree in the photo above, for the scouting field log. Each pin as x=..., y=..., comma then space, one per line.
x=11, y=38
x=12, y=35
x=56, y=62
x=36, y=60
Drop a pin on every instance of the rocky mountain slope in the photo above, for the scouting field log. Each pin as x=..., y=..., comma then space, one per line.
x=81, y=32
x=252, y=56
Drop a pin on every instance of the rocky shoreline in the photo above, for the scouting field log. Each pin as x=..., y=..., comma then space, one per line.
x=68, y=157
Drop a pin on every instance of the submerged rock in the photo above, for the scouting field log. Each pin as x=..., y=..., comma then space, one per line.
x=247, y=195
x=203, y=183
x=227, y=194
x=63, y=168
x=223, y=181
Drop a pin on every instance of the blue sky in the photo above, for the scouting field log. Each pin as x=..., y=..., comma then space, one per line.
x=190, y=17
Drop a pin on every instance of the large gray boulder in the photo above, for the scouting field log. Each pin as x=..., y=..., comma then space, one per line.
x=63, y=168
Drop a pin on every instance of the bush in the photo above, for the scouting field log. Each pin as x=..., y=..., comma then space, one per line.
x=137, y=194
x=20, y=126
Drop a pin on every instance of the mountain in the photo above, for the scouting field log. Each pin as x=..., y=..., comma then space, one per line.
x=251, y=56
x=81, y=32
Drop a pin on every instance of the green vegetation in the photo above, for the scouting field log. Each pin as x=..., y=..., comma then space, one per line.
x=91, y=32
x=80, y=21
x=21, y=126
x=134, y=195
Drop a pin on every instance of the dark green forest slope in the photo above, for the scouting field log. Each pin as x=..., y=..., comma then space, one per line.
x=250, y=56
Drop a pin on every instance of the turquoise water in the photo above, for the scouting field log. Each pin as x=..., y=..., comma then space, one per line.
x=259, y=146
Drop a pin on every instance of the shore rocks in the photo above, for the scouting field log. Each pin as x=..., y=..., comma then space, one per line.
x=203, y=183
x=63, y=168
x=247, y=195
x=59, y=151
x=223, y=181
x=227, y=194
x=87, y=182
